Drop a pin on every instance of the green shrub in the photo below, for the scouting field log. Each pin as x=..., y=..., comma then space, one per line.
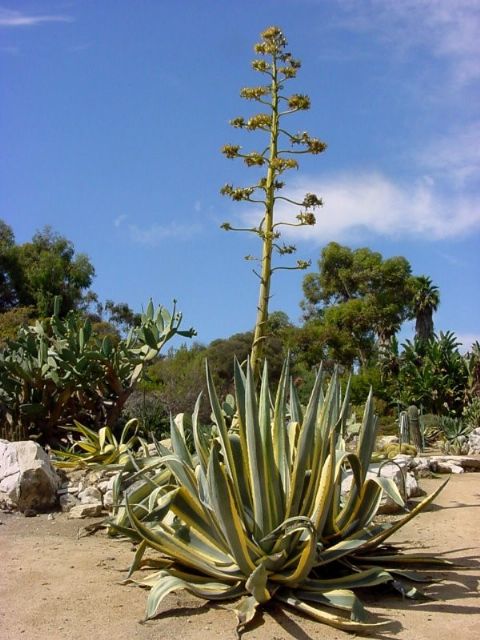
x=151, y=412
x=471, y=413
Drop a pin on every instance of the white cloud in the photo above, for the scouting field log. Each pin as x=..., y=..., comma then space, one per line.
x=11, y=18
x=448, y=29
x=156, y=234
x=361, y=204
x=455, y=155
x=118, y=221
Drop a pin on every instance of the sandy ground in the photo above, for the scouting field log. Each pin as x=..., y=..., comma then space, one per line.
x=55, y=586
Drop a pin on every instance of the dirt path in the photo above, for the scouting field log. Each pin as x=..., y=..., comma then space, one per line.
x=54, y=586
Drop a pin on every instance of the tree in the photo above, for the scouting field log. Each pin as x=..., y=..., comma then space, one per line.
x=278, y=66
x=361, y=294
x=50, y=268
x=8, y=268
x=10, y=322
x=178, y=378
x=425, y=302
x=34, y=273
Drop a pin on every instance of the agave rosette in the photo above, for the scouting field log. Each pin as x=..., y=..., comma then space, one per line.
x=258, y=513
x=99, y=447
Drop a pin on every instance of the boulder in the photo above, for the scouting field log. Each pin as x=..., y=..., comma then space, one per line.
x=90, y=495
x=445, y=466
x=473, y=443
x=405, y=481
x=420, y=467
x=86, y=511
x=467, y=463
x=27, y=477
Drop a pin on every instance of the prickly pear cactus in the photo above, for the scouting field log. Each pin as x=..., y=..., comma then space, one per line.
x=58, y=370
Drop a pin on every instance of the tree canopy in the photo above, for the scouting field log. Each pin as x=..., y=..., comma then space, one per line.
x=425, y=302
x=33, y=273
x=359, y=296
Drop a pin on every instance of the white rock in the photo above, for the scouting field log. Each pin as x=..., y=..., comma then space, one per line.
x=102, y=486
x=473, y=443
x=86, y=511
x=90, y=495
x=468, y=463
x=27, y=477
x=446, y=466
x=420, y=467
x=92, y=478
x=405, y=481
x=108, y=498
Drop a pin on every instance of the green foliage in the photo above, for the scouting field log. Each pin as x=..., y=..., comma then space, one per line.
x=361, y=383
x=425, y=302
x=221, y=355
x=99, y=448
x=12, y=320
x=256, y=512
x=9, y=268
x=455, y=434
x=358, y=296
x=433, y=374
x=57, y=371
x=147, y=406
x=34, y=273
x=471, y=413
x=472, y=362
x=278, y=66
x=116, y=315
x=177, y=380
x=431, y=429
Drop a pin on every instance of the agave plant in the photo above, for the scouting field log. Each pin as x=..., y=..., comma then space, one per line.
x=257, y=513
x=455, y=432
x=100, y=448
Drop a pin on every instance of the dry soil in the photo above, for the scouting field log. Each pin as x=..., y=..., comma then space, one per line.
x=55, y=585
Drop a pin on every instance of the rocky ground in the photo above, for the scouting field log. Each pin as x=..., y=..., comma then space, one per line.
x=55, y=585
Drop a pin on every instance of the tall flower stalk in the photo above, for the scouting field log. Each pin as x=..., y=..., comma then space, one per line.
x=278, y=66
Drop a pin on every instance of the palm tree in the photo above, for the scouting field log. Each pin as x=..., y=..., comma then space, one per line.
x=425, y=301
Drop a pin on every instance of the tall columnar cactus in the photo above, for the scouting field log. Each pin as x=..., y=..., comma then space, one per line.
x=58, y=370
x=278, y=66
x=414, y=427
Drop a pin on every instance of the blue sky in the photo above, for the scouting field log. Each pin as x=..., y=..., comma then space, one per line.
x=113, y=113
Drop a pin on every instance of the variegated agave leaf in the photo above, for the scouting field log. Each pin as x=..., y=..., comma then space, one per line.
x=258, y=512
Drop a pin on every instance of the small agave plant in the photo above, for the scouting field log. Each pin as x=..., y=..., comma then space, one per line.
x=257, y=513
x=100, y=448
